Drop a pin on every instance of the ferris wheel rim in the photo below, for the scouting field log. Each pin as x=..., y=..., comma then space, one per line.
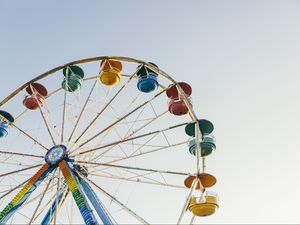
x=84, y=61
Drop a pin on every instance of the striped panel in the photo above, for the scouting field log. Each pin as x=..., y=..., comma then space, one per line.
x=24, y=193
x=98, y=206
x=82, y=205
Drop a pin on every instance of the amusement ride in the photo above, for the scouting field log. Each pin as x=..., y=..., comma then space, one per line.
x=75, y=135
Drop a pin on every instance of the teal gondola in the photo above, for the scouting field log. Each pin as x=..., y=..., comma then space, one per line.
x=207, y=145
x=206, y=127
x=73, y=78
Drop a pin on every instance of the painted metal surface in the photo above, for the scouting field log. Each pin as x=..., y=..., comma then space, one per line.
x=98, y=206
x=78, y=196
x=25, y=192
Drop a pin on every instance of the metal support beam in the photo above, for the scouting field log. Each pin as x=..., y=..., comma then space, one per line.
x=78, y=196
x=24, y=193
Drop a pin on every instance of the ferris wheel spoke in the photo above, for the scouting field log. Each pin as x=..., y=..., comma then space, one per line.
x=20, y=154
x=19, y=171
x=92, y=124
x=30, y=137
x=135, y=154
x=13, y=189
x=142, y=146
x=134, y=168
x=114, y=128
x=131, y=138
x=57, y=196
x=21, y=115
x=15, y=163
x=137, y=176
x=138, y=181
x=49, y=215
x=82, y=110
x=42, y=209
x=187, y=201
x=132, y=125
x=148, y=152
x=193, y=219
x=155, y=113
x=146, y=124
x=18, y=117
x=132, y=102
x=115, y=200
x=135, y=121
x=34, y=199
x=42, y=114
x=40, y=201
x=134, y=132
x=120, y=119
x=64, y=115
x=24, y=193
x=66, y=193
x=49, y=191
x=105, y=107
x=146, y=145
x=22, y=214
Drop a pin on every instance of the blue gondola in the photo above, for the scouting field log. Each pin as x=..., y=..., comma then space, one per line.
x=147, y=81
x=3, y=130
x=5, y=120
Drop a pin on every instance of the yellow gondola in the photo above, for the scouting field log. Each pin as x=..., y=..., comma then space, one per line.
x=205, y=206
x=110, y=74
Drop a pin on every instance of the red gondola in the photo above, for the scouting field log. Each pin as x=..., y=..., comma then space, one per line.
x=36, y=97
x=177, y=105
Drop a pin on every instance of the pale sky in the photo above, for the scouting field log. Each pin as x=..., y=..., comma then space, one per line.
x=241, y=58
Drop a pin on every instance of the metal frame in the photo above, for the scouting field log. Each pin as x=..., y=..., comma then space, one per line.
x=77, y=181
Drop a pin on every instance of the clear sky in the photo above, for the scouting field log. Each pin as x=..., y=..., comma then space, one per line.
x=241, y=57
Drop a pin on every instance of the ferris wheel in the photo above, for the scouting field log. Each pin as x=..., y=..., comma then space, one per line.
x=102, y=141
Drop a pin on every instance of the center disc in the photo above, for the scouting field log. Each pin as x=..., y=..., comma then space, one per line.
x=56, y=154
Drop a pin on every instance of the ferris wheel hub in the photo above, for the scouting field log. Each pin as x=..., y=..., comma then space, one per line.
x=56, y=154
